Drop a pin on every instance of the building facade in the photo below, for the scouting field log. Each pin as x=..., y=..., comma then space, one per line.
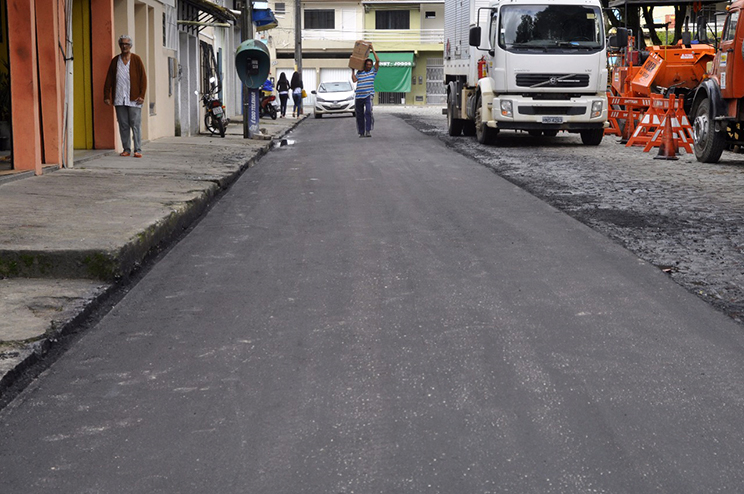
x=52, y=92
x=408, y=35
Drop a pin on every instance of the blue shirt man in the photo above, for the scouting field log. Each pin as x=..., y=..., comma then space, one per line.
x=365, y=91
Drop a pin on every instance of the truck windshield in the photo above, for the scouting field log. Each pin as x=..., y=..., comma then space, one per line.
x=550, y=28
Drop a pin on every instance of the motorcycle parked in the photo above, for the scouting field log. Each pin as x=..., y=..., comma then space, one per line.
x=214, y=119
x=267, y=108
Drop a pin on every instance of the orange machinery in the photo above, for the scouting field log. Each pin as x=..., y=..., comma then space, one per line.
x=682, y=67
x=676, y=66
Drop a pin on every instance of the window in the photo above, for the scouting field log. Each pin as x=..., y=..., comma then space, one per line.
x=538, y=28
x=280, y=8
x=392, y=19
x=729, y=31
x=430, y=15
x=320, y=19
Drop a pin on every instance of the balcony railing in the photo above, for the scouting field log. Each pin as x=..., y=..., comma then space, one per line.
x=407, y=36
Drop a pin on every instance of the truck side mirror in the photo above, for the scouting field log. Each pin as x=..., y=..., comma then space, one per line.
x=475, y=36
x=621, y=38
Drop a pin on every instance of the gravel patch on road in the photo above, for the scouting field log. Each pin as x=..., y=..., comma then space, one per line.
x=682, y=216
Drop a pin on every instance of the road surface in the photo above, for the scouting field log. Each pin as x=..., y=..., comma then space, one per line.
x=384, y=315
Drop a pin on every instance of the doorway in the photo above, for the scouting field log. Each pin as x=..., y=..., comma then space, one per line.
x=82, y=83
x=6, y=140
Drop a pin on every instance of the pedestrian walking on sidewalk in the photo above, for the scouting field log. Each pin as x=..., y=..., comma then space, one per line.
x=365, y=92
x=282, y=87
x=125, y=87
x=297, y=88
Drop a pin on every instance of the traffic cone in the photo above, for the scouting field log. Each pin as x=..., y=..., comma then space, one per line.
x=668, y=148
x=628, y=128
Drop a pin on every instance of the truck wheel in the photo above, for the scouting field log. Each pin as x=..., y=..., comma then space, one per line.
x=454, y=125
x=592, y=137
x=709, y=144
x=468, y=128
x=483, y=133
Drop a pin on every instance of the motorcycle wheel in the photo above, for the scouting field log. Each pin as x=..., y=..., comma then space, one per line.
x=272, y=112
x=220, y=127
x=209, y=123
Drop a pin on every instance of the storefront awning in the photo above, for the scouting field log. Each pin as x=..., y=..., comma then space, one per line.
x=395, y=73
x=217, y=12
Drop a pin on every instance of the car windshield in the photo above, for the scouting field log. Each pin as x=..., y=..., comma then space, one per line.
x=553, y=27
x=334, y=87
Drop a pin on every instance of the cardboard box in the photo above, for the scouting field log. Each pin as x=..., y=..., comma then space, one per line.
x=361, y=49
x=357, y=63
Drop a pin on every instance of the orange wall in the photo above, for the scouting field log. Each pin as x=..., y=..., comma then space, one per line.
x=24, y=85
x=51, y=84
x=102, y=51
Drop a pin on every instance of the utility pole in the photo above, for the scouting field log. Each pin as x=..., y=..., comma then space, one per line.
x=298, y=36
x=246, y=32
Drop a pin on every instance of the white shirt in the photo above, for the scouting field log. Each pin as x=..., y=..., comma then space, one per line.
x=123, y=87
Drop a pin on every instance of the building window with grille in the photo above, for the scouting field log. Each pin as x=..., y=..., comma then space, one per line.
x=320, y=19
x=280, y=8
x=393, y=19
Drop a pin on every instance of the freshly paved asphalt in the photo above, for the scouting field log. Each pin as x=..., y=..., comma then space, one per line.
x=384, y=316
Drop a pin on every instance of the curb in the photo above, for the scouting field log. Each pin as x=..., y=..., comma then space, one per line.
x=15, y=361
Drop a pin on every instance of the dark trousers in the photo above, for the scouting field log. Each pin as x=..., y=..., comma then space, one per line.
x=283, y=104
x=363, y=108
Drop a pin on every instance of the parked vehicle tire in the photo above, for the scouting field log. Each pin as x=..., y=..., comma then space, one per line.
x=220, y=126
x=272, y=112
x=483, y=133
x=454, y=125
x=468, y=128
x=318, y=115
x=709, y=144
x=210, y=123
x=592, y=137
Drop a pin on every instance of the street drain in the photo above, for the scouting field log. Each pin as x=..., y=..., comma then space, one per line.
x=283, y=142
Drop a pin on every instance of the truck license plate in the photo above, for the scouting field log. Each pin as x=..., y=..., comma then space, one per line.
x=552, y=120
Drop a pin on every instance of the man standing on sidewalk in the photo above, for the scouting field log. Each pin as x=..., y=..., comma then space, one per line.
x=126, y=84
x=365, y=91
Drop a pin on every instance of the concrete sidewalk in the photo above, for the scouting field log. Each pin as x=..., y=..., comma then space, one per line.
x=67, y=237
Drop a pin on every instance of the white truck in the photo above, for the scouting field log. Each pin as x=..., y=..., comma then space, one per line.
x=533, y=65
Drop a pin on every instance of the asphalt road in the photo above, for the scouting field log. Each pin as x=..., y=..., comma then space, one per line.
x=682, y=216
x=384, y=315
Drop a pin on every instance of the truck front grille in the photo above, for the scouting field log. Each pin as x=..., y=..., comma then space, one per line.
x=553, y=80
x=551, y=110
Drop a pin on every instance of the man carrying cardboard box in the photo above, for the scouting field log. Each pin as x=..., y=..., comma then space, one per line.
x=365, y=91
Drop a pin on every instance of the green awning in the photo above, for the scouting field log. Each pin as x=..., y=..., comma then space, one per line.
x=394, y=75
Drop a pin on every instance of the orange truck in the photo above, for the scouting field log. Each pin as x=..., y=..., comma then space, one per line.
x=717, y=110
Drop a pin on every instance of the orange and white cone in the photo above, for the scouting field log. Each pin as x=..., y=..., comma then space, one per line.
x=668, y=148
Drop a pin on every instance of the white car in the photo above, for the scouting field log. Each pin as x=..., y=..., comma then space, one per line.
x=334, y=97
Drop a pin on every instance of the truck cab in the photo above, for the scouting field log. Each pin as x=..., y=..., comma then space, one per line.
x=717, y=109
x=545, y=70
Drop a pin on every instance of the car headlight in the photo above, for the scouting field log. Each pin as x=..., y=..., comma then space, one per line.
x=319, y=99
x=350, y=98
x=506, y=108
x=597, y=107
